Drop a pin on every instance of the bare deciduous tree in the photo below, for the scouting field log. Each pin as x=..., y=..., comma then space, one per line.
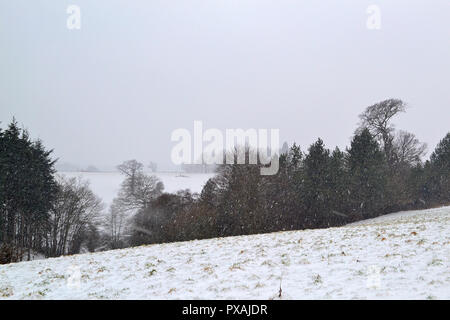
x=137, y=192
x=75, y=208
x=408, y=149
x=131, y=169
x=377, y=118
x=116, y=225
x=140, y=192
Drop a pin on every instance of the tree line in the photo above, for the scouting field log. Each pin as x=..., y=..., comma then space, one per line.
x=382, y=171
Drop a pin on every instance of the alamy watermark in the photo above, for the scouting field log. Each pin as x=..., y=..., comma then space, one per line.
x=74, y=18
x=74, y=277
x=374, y=19
x=373, y=277
x=211, y=147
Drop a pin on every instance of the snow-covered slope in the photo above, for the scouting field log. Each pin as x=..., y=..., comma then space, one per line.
x=403, y=255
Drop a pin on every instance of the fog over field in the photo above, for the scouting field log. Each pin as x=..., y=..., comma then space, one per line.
x=135, y=71
x=107, y=184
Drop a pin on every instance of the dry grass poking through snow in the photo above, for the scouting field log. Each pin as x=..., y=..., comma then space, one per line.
x=403, y=255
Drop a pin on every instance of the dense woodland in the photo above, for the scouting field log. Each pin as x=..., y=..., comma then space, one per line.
x=382, y=171
x=41, y=213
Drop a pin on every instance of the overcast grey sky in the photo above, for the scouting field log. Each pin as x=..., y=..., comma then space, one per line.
x=137, y=70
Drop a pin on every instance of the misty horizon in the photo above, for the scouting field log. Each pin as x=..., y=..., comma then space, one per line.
x=116, y=89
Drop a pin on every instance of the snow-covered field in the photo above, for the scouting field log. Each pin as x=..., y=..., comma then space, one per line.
x=107, y=184
x=398, y=256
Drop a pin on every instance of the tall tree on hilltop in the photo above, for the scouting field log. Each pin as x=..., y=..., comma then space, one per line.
x=377, y=119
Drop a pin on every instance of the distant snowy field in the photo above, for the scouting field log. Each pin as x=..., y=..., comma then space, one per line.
x=107, y=184
x=398, y=256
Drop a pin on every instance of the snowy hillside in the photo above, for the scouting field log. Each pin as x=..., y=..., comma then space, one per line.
x=403, y=255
